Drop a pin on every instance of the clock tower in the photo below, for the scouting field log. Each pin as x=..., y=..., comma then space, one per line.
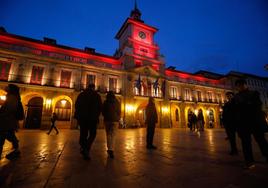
x=136, y=43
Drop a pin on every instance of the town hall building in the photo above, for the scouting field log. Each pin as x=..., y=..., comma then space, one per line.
x=51, y=76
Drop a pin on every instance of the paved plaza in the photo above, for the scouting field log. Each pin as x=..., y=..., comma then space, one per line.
x=183, y=159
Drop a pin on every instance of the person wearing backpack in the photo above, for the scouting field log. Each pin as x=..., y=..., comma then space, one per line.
x=10, y=114
x=249, y=121
x=111, y=112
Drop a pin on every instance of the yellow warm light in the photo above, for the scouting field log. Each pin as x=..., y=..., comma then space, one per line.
x=3, y=98
x=207, y=112
x=140, y=111
x=63, y=102
x=130, y=108
x=165, y=109
x=48, y=102
x=196, y=112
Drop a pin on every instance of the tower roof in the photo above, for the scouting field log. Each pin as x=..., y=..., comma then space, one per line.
x=136, y=13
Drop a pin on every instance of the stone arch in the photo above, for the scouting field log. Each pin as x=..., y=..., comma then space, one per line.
x=187, y=111
x=204, y=114
x=33, y=112
x=211, y=117
x=25, y=98
x=140, y=115
x=176, y=118
x=63, y=106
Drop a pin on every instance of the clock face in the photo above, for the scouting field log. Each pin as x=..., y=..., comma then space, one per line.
x=142, y=35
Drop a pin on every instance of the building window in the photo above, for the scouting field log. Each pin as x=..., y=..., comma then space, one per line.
x=63, y=110
x=113, y=84
x=155, y=90
x=219, y=98
x=4, y=70
x=91, y=79
x=187, y=95
x=65, y=78
x=173, y=92
x=210, y=96
x=199, y=97
x=37, y=75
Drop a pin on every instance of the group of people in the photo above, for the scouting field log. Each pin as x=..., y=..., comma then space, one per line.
x=196, y=123
x=243, y=114
x=88, y=108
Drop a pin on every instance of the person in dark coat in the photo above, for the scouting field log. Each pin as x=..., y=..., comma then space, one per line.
x=194, y=121
x=111, y=111
x=53, y=121
x=190, y=120
x=228, y=118
x=151, y=120
x=250, y=121
x=9, y=120
x=87, y=111
x=200, y=120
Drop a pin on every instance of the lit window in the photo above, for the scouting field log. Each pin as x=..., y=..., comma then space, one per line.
x=187, y=94
x=37, y=75
x=199, y=97
x=209, y=96
x=173, y=92
x=65, y=78
x=4, y=70
x=91, y=79
x=113, y=84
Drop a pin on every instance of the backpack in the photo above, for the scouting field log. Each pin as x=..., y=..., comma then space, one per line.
x=20, y=112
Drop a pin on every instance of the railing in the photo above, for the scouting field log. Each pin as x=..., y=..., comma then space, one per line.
x=196, y=82
x=148, y=95
x=175, y=98
x=22, y=79
x=196, y=100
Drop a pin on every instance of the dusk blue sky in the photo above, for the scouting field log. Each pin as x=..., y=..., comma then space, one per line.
x=212, y=35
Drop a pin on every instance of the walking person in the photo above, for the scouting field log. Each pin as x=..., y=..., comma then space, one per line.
x=53, y=119
x=200, y=120
x=111, y=111
x=10, y=114
x=87, y=111
x=228, y=118
x=151, y=120
x=250, y=121
x=190, y=120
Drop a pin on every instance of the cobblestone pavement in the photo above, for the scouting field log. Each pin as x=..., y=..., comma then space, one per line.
x=183, y=159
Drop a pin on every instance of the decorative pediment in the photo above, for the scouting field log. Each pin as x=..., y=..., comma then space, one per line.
x=146, y=71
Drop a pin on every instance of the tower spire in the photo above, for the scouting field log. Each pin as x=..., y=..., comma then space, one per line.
x=136, y=13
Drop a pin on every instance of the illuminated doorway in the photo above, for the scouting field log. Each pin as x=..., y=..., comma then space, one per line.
x=63, y=111
x=34, y=113
x=211, y=118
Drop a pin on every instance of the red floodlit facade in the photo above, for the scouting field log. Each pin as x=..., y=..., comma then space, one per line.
x=51, y=77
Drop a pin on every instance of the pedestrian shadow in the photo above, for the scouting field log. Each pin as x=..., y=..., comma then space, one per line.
x=6, y=173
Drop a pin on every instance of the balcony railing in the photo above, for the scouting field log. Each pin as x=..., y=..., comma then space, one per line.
x=196, y=100
x=22, y=79
x=175, y=98
x=148, y=95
